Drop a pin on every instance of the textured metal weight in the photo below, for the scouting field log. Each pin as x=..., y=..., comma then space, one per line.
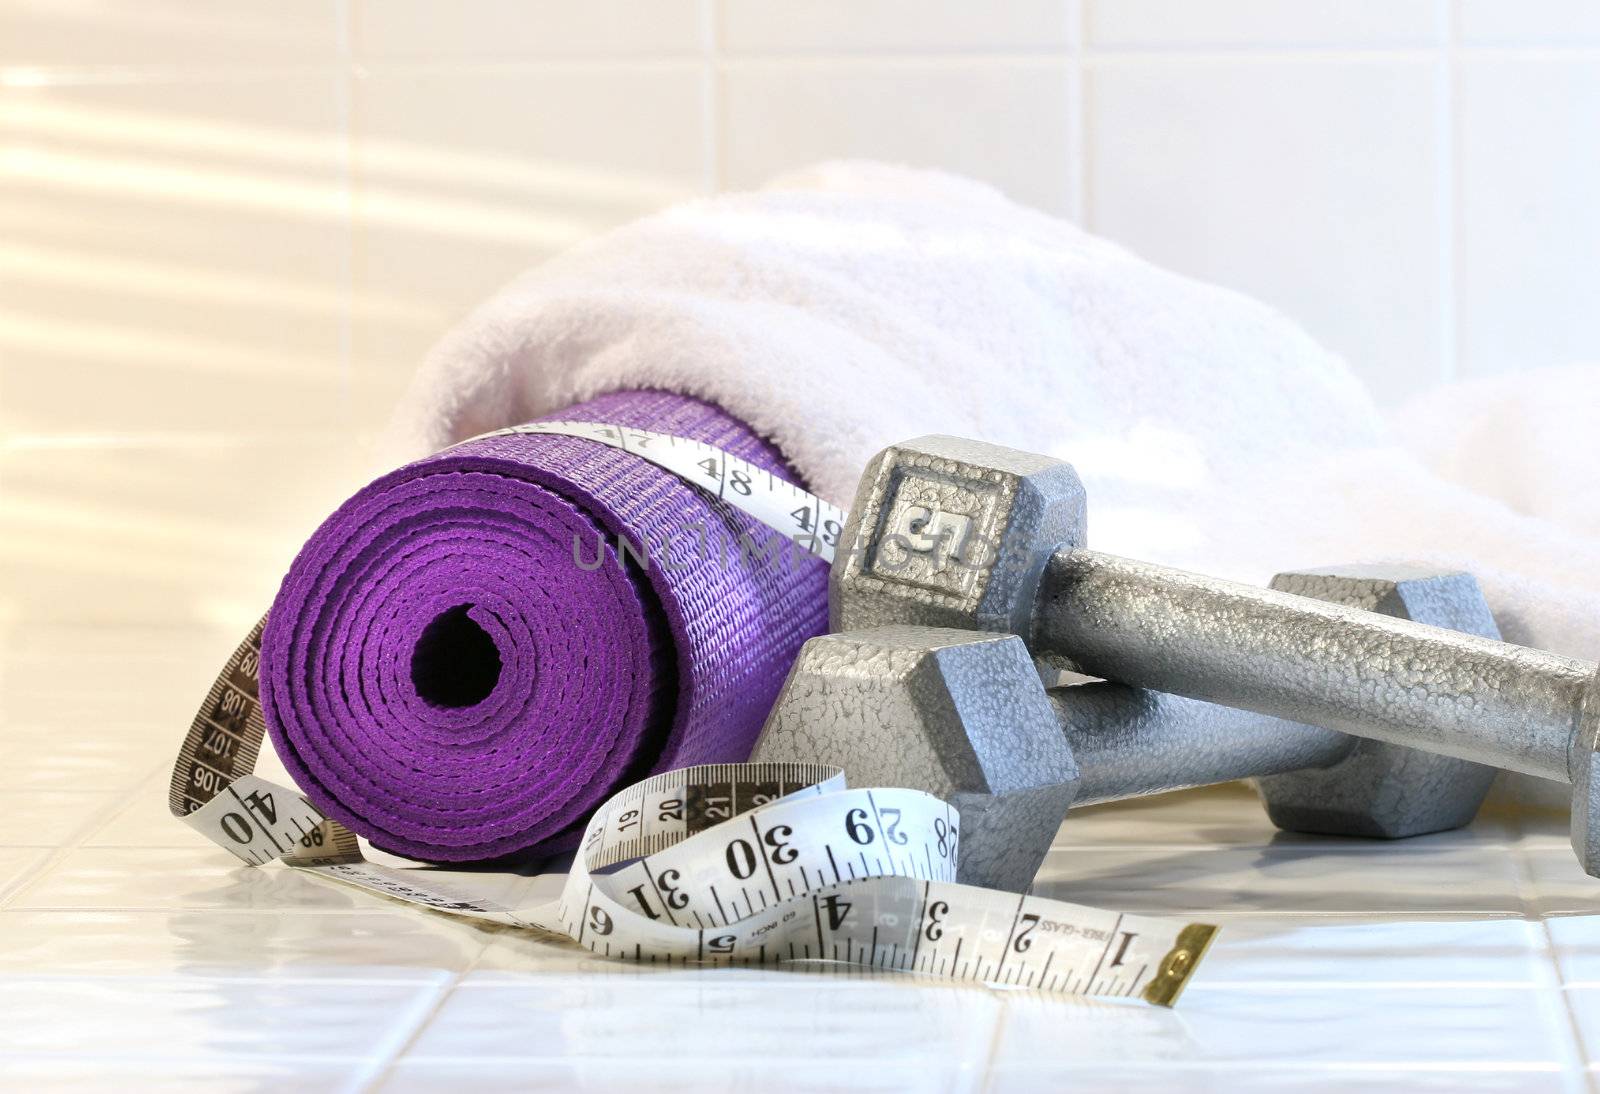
x=1328, y=664
x=1380, y=788
x=1131, y=741
x=896, y=705
x=960, y=714
x=949, y=532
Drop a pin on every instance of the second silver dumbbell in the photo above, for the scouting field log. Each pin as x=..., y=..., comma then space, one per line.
x=964, y=715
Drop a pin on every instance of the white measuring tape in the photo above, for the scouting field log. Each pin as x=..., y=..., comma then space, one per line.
x=813, y=524
x=725, y=863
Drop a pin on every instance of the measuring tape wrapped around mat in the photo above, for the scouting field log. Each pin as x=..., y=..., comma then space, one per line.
x=721, y=863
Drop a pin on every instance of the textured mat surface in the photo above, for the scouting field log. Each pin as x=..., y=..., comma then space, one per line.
x=464, y=660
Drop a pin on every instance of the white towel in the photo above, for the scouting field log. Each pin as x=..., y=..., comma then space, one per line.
x=853, y=305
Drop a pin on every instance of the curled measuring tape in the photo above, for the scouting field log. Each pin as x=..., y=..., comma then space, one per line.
x=726, y=863
x=812, y=523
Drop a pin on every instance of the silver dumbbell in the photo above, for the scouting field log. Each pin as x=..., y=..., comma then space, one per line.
x=964, y=715
x=954, y=533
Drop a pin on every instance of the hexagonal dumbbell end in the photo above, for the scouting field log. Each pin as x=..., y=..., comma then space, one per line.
x=952, y=533
x=1586, y=783
x=960, y=714
x=1380, y=789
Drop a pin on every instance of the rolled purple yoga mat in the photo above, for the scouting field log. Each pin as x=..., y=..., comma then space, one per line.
x=446, y=671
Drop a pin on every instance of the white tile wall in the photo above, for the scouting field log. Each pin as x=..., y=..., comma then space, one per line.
x=174, y=253
x=516, y=30
x=1268, y=24
x=1529, y=146
x=281, y=205
x=1558, y=23
x=238, y=225
x=165, y=34
x=975, y=116
x=465, y=173
x=1311, y=181
x=893, y=26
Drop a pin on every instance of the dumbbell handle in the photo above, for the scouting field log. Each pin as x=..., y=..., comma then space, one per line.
x=1129, y=742
x=1309, y=661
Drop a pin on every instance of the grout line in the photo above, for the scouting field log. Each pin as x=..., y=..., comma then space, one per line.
x=1573, y=1041
x=713, y=169
x=996, y=1037
x=555, y=65
x=1226, y=913
x=113, y=802
x=21, y=881
x=36, y=76
x=1053, y=55
x=1333, y=845
x=1077, y=141
x=207, y=909
x=1367, y=51
x=345, y=26
x=1447, y=181
x=375, y=1068
x=1181, y=1065
x=869, y=54
x=1292, y=987
x=1257, y=54
x=1240, y=51
x=345, y=108
x=22, y=75
x=1086, y=128
x=170, y=439
x=382, y=1066
x=178, y=977
x=1553, y=993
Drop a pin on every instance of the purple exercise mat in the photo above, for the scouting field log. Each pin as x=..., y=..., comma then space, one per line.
x=447, y=672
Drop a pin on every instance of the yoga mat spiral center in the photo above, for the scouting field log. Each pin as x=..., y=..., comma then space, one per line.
x=455, y=662
x=476, y=650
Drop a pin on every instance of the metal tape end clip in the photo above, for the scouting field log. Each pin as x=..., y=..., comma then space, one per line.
x=1179, y=964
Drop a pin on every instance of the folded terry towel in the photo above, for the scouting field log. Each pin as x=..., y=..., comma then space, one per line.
x=853, y=305
x=1527, y=440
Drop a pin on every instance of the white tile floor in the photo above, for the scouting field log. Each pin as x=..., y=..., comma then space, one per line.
x=132, y=953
